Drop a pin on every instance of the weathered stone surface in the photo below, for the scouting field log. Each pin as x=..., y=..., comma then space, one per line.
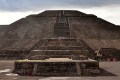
x=48, y=34
x=60, y=55
x=81, y=25
x=57, y=67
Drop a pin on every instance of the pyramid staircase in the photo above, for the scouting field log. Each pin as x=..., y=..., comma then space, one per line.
x=58, y=56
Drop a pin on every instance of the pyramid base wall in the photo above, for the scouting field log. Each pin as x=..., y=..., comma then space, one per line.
x=42, y=68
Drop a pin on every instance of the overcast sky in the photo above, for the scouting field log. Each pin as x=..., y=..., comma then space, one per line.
x=12, y=10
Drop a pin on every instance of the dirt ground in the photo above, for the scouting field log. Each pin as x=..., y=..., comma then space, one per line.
x=110, y=71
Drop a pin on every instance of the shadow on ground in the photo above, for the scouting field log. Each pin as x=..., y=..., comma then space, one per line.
x=103, y=73
x=106, y=73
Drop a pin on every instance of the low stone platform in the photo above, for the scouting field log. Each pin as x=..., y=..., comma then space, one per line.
x=56, y=67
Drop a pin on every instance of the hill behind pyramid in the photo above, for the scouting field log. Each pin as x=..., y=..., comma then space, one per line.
x=24, y=33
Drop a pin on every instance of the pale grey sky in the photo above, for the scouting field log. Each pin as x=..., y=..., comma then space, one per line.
x=12, y=10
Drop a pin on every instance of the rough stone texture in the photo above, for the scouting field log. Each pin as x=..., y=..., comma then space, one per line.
x=57, y=67
x=83, y=26
x=25, y=33
x=110, y=72
x=59, y=45
x=96, y=44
